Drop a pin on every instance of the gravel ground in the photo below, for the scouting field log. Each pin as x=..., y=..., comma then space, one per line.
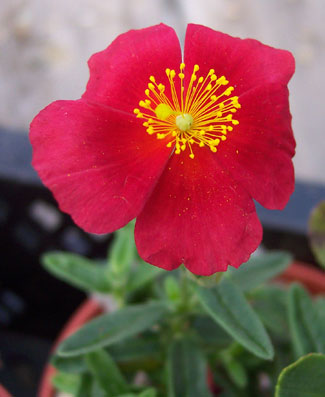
x=44, y=46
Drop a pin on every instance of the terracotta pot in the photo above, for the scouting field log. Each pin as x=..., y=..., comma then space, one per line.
x=312, y=278
x=4, y=392
x=86, y=311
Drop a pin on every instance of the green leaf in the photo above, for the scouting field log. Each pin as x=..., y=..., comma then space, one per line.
x=172, y=289
x=77, y=271
x=74, y=365
x=85, y=386
x=226, y=304
x=320, y=307
x=235, y=370
x=135, y=349
x=106, y=373
x=270, y=303
x=111, y=328
x=68, y=383
x=304, y=378
x=145, y=393
x=142, y=275
x=123, y=252
x=210, y=333
x=316, y=230
x=259, y=269
x=304, y=323
x=148, y=393
x=187, y=370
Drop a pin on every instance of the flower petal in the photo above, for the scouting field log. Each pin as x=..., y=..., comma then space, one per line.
x=120, y=74
x=245, y=63
x=197, y=215
x=100, y=163
x=258, y=151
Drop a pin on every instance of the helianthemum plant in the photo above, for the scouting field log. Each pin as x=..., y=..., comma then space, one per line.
x=182, y=143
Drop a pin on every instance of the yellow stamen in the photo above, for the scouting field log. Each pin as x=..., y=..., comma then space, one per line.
x=199, y=115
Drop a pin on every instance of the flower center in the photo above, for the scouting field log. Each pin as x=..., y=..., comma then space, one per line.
x=184, y=122
x=199, y=116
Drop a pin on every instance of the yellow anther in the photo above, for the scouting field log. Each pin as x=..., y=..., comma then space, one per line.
x=169, y=144
x=191, y=156
x=228, y=91
x=136, y=111
x=235, y=122
x=167, y=72
x=151, y=87
x=161, y=87
x=182, y=66
x=201, y=79
x=222, y=80
x=213, y=149
x=181, y=75
x=172, y=74
x=152, y=79
x=196, y=68
x=211, y=72
x=213, y=77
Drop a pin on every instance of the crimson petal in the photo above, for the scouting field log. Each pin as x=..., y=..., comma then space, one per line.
x=258, y=151
x=245, y=63
x=120, y=74
x=99, y=163
x=197, y=215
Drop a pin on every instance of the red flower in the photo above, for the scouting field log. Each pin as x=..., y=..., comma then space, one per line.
x=183, y=147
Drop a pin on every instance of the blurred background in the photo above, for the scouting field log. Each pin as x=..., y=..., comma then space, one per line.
x=44, y=48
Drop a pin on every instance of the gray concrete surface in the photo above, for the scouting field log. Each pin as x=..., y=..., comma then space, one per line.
x=45, y=44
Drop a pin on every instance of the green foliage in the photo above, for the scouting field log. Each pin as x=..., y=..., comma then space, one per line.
x=317, y=232
x=68, y=383
x=71, y=365
x=106, y=373
x=270, y=303
x=234, y=368
x=186, y=325
x=304, y=378
x=226, y=304
x=112, y=328
x=142, y=275
x=77, y=271
x=186, y=370
x=259, y=269
x=122, y=253
x=306, y=328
